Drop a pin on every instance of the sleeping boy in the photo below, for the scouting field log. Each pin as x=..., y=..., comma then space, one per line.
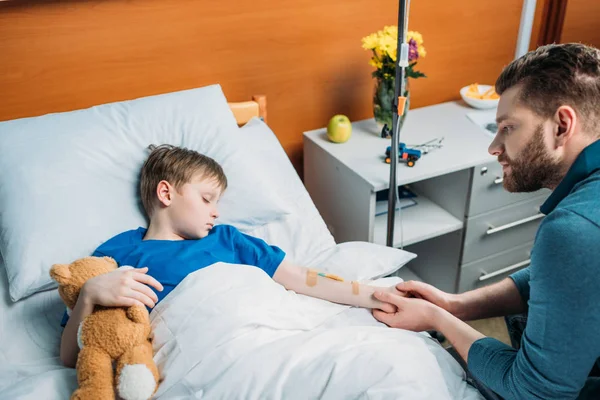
x=180, y=190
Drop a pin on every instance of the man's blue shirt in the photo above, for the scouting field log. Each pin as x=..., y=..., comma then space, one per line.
x=560, y=344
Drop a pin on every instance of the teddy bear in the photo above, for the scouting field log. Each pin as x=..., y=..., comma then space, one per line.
x=115, y=342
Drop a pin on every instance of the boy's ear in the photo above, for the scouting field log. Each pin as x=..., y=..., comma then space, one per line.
x=163, y=192
x=61, y=273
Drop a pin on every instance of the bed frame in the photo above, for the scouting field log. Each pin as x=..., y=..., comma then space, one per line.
x=246, y=110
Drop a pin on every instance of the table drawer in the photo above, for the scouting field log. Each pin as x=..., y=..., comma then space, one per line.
x=501, y=230
x=494, y=268
x=487, y=192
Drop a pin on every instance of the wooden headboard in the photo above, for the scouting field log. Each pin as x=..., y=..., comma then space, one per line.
x=306, y=56
x=246, y=110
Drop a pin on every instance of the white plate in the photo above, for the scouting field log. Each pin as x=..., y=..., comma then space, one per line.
x=478, y=103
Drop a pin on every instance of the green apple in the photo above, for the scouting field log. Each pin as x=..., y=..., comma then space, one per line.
x=339, y=129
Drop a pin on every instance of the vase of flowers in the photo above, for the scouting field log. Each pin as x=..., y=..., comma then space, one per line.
x=384, y=45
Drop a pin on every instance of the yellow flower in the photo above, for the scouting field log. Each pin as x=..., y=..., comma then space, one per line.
x=384, y=44
x=370, y=42
x=388, y=44
x=375, y=62
x=391, y=31
x=416, y=36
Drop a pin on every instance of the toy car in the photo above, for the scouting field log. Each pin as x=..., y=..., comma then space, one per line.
x=410, y=156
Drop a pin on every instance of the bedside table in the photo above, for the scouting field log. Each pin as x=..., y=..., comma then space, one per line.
x=466, y=230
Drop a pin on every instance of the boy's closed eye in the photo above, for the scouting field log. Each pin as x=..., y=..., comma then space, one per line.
x=210, y=197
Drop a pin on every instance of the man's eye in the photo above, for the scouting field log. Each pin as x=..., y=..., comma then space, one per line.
x=506, y=129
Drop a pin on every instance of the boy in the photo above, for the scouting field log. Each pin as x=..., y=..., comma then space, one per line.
x=180, y=189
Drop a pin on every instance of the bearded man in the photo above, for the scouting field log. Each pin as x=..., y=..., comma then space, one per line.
x=548, y=137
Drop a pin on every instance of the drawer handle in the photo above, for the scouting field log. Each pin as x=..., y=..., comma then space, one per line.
x=485, y=276
x=498, y=180
x=493, y=230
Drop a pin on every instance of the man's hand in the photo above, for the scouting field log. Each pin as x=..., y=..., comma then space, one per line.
x=421, y=290
x=411, y=313
x=388, y=307
x=123, y=287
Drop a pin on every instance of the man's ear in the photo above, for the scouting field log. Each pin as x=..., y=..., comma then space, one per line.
x=164, y=192
x=566, y=122
x=61, y=273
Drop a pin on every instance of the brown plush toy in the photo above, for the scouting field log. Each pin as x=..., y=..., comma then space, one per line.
x=120, y=334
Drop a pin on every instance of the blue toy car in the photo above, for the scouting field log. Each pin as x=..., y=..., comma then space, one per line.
x=410, y=156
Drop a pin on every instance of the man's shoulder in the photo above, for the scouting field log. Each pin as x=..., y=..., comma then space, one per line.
x=568, y=241
x=583, y=201
x=569, y=224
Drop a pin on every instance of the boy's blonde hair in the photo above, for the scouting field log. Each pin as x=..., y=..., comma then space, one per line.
x=176, y=165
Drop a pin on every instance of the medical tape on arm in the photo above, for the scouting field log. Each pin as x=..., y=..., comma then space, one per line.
x=355, y=288
x=311, y=278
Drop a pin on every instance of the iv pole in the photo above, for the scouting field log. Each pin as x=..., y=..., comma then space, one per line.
x=525, y=27
x=399, y=104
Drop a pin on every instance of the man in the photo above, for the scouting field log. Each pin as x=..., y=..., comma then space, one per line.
x=548, y=136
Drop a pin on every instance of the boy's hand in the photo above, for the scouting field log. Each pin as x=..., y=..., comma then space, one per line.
x=123, y=287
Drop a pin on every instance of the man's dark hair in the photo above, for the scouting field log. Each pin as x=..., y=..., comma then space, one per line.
x=555, y=75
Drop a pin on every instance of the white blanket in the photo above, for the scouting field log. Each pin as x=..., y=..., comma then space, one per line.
x=247, y=337
x=230, y=332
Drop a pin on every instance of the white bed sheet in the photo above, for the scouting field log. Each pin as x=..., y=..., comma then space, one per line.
x=30, y=336
x=249, y=338
x=30, y=331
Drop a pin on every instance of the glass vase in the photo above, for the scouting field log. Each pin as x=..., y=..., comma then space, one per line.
x=383, y=103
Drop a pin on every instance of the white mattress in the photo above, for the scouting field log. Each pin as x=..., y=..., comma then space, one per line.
x=30, y=329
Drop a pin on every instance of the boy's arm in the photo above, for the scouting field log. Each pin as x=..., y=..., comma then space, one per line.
x=69, y=349
x=300, y=280
x=119, y=288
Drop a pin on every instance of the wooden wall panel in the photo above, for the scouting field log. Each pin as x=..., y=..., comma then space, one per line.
x=582, y=22
x=305, y=55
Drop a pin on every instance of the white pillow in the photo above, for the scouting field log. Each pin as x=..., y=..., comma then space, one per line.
x=362, y=261
x=303, y=234
x=70, y=180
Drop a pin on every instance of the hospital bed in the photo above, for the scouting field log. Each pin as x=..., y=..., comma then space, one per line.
x=69, y=182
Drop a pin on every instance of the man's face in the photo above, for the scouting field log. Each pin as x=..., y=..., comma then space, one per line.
x=523, y=145
x=193, y=210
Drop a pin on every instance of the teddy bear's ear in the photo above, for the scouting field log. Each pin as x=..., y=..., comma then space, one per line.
x=60, y=273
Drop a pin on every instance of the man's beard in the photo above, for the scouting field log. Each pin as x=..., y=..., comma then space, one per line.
x=534, y=168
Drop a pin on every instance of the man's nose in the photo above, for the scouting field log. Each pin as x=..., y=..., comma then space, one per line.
x=496, y=148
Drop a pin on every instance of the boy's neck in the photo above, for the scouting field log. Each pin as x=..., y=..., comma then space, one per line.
x=160, y=231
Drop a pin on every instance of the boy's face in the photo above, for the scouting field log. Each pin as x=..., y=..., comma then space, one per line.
x=524, y=146
x=193, y=208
